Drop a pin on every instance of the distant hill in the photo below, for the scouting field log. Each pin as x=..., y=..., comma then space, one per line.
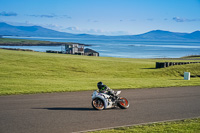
x=194, y=35
x=6, y=29
x=159, y=34
x=38, y=31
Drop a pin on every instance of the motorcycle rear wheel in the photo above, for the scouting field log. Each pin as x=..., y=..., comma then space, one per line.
x=98, y=104
x=123, y=103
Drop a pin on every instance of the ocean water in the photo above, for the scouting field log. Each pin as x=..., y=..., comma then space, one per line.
x=124, y=48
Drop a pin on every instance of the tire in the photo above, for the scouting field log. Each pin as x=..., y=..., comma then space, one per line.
x=123, y=104
x=98, y=104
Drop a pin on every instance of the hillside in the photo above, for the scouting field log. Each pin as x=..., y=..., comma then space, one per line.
x=36, y=72
x=38, y=31
x=159, y=34
x=6, y=29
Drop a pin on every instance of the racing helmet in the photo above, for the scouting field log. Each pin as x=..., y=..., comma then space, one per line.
x=99, y=85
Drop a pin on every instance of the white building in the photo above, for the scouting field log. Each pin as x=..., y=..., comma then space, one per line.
x=73, y=49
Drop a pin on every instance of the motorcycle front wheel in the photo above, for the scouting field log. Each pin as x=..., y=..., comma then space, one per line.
x=123, y=103
x=98, y=104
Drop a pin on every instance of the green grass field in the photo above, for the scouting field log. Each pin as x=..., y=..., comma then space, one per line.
x=36, y=72
x=183, y=126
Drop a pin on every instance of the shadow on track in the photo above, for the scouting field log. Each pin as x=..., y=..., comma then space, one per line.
x=68, y=108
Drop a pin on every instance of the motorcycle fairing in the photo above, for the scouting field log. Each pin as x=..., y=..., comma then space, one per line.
x=103, y=97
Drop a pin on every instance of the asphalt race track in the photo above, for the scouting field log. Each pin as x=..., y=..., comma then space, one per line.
x=72, y=111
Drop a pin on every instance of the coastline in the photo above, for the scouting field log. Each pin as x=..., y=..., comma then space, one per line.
x=28, y=42
x=110, y=48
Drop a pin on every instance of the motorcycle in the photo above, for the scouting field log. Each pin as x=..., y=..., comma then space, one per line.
x=102, y=101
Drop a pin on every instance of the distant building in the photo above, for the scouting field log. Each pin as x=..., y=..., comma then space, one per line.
x=78, y=49
x=90, y=52
x=73, y=49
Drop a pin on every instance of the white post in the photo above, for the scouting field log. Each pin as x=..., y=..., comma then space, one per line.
x=186, y=75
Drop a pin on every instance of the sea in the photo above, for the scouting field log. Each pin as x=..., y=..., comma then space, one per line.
x=123, y=48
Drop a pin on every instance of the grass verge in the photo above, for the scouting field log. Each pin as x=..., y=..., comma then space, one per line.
x=182, y=126
x=36, y=72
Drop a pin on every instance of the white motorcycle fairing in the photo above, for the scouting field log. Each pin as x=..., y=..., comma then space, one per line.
x=105, y=98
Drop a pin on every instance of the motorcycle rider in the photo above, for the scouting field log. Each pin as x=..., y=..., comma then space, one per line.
x=104, y=89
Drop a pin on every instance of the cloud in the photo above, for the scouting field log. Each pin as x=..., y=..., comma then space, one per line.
x=8, y=14
x=66, y=16
x=78, y=30
x=73, y=29
x=178, y=19
x=50, y=16
x=150, y=19
x=25, y=23
x=90, y=20
x=44, y=15
x=53, y=26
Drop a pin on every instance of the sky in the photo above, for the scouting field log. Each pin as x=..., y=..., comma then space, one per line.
x=104, y=17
